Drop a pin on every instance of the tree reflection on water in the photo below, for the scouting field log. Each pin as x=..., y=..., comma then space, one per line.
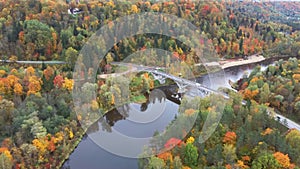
x=122, y=112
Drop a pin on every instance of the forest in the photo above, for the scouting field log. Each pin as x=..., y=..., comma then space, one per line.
x=246, y=137
x=43, y=30
x=38, y=123
x=277, y=87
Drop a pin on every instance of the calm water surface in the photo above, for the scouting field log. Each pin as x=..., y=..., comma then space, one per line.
x=89, y=155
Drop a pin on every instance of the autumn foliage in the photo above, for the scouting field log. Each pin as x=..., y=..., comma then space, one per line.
x=249, y=94
x=229, y=138
x=42, y=30
x=48, y=73
x=34, y=85
x=165, y=156
x=283, y=160
x=58, y=81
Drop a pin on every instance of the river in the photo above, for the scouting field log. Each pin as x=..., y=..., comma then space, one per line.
x=88, y=155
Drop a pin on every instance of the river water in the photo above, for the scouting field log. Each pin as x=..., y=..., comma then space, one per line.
x=89, y=155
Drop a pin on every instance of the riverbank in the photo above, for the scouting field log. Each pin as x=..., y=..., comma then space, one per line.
x=82, y=132
x=90, y=155
x=250, y=60
x=72, y=148
x=235, y=63
x=228, y=63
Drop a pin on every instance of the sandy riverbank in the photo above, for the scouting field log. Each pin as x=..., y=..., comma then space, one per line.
x=224, y=64
x=250, y=60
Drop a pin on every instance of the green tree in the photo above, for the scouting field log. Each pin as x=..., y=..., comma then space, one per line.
x=265, y=93
x=122, y=83
x=37, y=33
x=228, y=116
x=279, y=98
x=38, y=130
x=71, y=56
x=6, y=116
x=293, y=139
x=177, y=163
x=65, y=36
x=53, y=124
x=214, y=155
x=265, y=161
x=229, y=153
x=190, y=155
x=297, y=106
x=106, y=96
x=271, y=70
x=155, y=163
x=109, y=58
x=34, y=125
x=241, y=45
x=254, y=72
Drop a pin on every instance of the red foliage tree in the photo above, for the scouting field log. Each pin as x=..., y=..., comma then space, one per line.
x=58, y=81
x=230, y=138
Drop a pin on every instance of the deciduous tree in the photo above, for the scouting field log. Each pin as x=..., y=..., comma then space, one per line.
x=265, y=161
x=190, y=155
x=282, y=159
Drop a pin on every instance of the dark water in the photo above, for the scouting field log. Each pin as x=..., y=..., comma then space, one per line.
x=222, y=78
x=132, y=120
x=89, y=155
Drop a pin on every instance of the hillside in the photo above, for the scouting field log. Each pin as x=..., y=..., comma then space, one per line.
x=40, y=122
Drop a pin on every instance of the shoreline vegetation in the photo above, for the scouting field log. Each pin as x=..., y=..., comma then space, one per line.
x=281, y=83
x=39, y=122
x=227, y=64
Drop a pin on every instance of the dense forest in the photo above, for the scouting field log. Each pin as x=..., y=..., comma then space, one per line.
x=43, y=30
x=277, y=86
x=246, y=137
x=38, y=123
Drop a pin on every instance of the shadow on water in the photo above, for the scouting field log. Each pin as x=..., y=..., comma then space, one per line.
x=90, y=155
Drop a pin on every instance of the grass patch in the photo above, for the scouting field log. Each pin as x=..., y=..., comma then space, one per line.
x=138, y=99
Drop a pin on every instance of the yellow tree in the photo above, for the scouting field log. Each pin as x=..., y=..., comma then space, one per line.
x=240, y=164
x=12, y=80
x=30, y=71
x=134, y=9
x=3, y=85
x=41, y=144
x=2, y=73
x=68, y=84
x=34, y=85
x=18, y=89
x=190, y=140
x=155, y=7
